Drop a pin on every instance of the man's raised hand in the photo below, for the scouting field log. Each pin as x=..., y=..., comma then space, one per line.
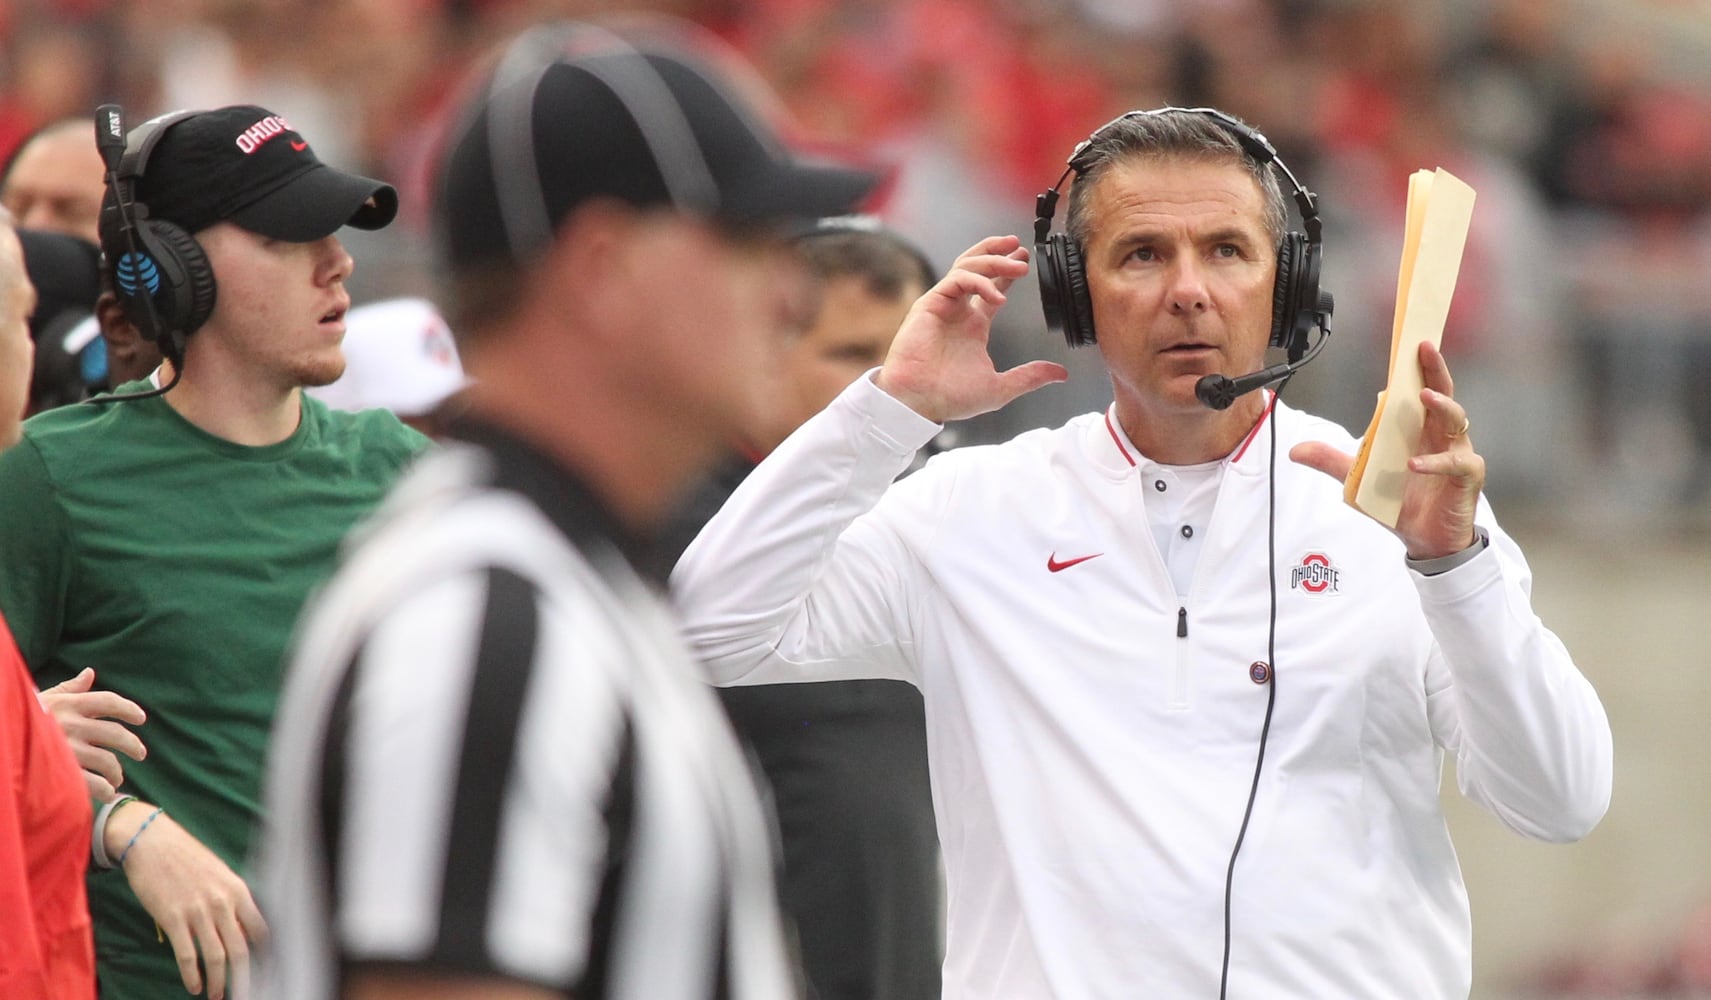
x=939, y=364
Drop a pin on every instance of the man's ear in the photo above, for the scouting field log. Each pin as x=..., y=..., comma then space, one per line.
x=591, y=265
x=129, y=355
x=111, y=318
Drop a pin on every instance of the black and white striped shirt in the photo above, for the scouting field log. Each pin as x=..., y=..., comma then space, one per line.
x=493, y=756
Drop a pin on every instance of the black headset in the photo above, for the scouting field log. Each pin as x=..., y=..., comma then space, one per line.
x=160, y=273
x=1297, y=304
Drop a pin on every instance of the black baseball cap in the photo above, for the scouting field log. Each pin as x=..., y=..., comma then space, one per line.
x=644, y=121
x=246, y=165
x=66, y=273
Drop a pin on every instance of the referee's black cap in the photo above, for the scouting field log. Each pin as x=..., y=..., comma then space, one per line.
x=575, y=111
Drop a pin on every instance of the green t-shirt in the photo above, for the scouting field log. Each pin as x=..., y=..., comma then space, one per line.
x=175, y=563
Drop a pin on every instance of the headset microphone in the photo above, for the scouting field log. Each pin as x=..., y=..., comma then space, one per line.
x=110, y=136
x=1219, y=391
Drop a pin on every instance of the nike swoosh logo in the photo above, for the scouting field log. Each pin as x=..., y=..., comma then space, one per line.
x=1053, y=565
x=299, y=146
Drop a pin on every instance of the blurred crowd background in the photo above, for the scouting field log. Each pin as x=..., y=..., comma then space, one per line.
x=1580, y=336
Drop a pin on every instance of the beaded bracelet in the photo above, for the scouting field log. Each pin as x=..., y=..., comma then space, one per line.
x=133, y=841
x=98, y=836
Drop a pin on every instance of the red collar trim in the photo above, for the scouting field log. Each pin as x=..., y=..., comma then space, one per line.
x=1257, y=425
x=1117, y=439
x=1122, y=449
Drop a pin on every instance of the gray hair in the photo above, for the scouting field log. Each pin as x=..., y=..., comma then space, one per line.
x=1168, y=133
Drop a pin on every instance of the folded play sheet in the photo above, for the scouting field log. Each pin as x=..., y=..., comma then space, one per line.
x=1440, y=207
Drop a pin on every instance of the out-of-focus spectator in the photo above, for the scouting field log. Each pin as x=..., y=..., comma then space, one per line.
x=54, y=184
x=55, y=179
x=1633, y=181
x=1507, y=84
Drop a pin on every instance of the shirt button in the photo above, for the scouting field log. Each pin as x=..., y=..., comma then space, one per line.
x=1158, y=484
x=1187, y=531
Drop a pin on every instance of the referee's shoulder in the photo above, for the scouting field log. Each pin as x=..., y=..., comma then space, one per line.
x=445, y=518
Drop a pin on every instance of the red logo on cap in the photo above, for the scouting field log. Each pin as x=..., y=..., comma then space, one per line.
x=257, y=135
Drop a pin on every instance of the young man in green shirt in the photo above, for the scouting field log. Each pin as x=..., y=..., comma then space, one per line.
x=169, y=539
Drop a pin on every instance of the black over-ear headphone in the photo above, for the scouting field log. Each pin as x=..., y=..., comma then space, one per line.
x=1297, y=304
x=160, y=274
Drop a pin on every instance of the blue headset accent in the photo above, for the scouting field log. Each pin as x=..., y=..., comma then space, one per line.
x=135, y=270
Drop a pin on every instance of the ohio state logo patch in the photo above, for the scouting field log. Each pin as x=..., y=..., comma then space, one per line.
x=1315, y=575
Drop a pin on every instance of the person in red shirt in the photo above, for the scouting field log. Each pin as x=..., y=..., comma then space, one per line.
x=46, y=947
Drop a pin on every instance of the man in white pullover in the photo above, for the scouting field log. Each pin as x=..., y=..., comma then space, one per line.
x=1187, y=711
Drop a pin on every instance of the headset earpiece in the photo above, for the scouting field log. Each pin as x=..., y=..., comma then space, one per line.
x=1063, y=289
x=171, y=270
x=160, y=274
x=1282, y=290
x=1299, y=304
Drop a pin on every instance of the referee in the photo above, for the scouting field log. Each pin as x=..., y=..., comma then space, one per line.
x=497, y=773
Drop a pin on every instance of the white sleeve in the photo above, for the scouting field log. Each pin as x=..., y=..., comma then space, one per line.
x=785, y=583
x=1531, y=741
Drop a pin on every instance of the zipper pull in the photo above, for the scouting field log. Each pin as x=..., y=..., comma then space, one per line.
x=1182, y=623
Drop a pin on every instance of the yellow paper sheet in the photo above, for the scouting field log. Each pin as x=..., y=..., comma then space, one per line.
x=1440, y=208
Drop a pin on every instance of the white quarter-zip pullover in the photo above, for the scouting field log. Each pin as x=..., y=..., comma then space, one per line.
x=1092, y=735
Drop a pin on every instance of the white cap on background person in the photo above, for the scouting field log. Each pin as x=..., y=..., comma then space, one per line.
x=399, y=356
